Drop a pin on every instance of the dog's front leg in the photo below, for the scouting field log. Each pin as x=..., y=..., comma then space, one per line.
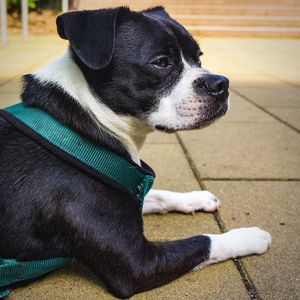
x=160, y=201
x=108, y=239
x=130, y=264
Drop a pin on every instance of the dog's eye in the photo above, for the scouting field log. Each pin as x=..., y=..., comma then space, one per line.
x=200, y=53
x=162, y=62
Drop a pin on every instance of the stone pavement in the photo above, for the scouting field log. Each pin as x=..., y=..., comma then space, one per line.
x=250, y=159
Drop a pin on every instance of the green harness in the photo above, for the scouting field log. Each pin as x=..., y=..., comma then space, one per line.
x=69, y=145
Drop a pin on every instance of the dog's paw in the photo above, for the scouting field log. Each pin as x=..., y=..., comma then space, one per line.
x=246, y=241
x=239, y=242
x=198, y=200
x=235, y=243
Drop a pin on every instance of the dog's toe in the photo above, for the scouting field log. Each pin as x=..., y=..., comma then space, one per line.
x=198, y=200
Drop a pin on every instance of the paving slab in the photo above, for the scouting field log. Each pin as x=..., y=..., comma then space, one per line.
x=270, y=95
x=260, y=88
x=8, y=99
x=245, y=147
x=12, y=87
x=62, y=284
x=10, y=92
x=289, y=115
x=214, y=282
x=241, y=111
x=278, y=51
x=245, y=151
x=221, y=281
x=171, y=168
x=21, y=57
x=161, y=138
x=275, y=207
x=268, y=83
x=259, y=55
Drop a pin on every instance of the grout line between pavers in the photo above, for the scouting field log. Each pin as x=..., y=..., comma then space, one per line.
x=264, y=110
x=248, y=179
x=248, y=283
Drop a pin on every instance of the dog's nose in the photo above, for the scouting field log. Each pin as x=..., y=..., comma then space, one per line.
x=214, y=84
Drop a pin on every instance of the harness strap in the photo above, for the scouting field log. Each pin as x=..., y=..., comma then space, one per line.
x=13, y=271
x=77, y=150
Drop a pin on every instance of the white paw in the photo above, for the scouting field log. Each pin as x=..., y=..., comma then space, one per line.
x=159, y=201
x=238, y=242
x=198, y=200
x=246, y=241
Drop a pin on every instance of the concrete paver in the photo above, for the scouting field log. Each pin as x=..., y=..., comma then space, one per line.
x=250, y=147
x=22, y=57
x=289, y=115
x=270, y=95
x=61, y=285
x=208, y=283
x=258, y=55
x=245, y=148
x=161, y=138
x=241, y=111
x=10, y=92
x=275, y=207
x=264, y=72
x=12, y=87
x=171, y=159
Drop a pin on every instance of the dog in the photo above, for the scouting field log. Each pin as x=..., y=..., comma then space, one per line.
x=124, y=75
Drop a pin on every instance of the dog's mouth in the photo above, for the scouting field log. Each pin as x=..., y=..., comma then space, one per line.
x=198, y=124
x=217, y=115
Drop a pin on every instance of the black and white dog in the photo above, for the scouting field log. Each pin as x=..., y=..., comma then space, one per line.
x=124, y=75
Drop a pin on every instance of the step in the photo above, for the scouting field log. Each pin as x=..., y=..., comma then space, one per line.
x=107, y=3
x=247, y=31
x=236, y=20
x=261, y=18
x=206, y=8
x=259, y=10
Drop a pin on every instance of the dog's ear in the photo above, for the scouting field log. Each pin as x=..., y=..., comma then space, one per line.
x=159, y=13
x=156, y=12
x=91, y=35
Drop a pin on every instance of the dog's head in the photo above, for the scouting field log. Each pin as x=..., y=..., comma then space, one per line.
x=145, y=65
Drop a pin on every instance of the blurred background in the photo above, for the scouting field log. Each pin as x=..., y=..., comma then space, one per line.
x=250, y=159
x=268, y=18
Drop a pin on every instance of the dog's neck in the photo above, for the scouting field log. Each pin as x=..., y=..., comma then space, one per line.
x=65, y=75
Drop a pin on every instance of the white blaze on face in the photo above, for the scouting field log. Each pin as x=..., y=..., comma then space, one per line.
x=181, y=108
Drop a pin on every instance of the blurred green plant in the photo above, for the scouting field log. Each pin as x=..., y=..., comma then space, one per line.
x=15, y=5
